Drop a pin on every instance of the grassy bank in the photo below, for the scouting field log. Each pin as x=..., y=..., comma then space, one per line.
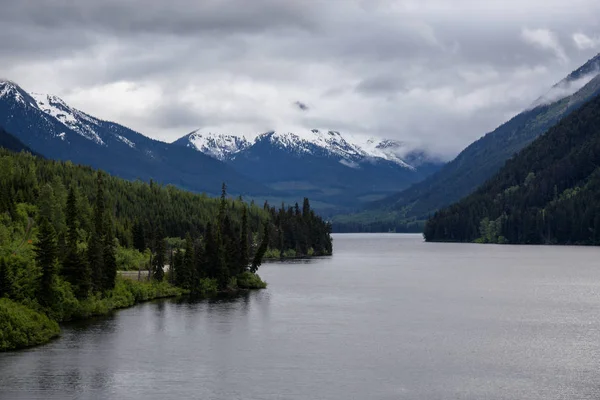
x=29, y=324
x=26, y=323
x=21, y=326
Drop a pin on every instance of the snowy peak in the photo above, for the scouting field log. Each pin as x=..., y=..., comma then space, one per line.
x=315, y=141
x=11, y=91
x=348, y=150
x=54, y=109
x=74, y=119
x=215, y=145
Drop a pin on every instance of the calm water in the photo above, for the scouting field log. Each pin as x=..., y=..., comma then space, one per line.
x=387, y=317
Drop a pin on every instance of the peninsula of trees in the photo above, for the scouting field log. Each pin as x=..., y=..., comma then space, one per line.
x=65, y=231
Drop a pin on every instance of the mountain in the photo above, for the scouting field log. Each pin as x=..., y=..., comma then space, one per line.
x=336, y=170
x=548, y=193
x=50, y=127
x=9, y=142
x=480, y=160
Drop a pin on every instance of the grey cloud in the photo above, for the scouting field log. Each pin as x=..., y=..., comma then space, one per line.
x=421, y=72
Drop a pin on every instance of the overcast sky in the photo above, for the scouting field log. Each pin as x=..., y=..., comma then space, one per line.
x=436, y=73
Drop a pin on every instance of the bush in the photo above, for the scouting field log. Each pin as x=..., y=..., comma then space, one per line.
x=248, y=280
x=21, y=326
x=132, y=259
x=289, y=253
x=272, y=254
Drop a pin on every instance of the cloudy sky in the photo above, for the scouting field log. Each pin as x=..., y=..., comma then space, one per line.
x=434, y=73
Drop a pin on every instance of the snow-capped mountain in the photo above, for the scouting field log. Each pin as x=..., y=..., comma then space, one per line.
x=316, y=142
x=218, y=146
x=52, y=128
x=325, y=165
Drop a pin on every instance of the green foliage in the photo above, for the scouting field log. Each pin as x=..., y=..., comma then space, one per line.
x=272, y=254
x=45, y=257
x=60, y=249
x=158, y=262
x=248, y=280
x=21, y=327
x=548, y=193
x=130, y=259
x=6, y=285
x=290, y=253
x=262, y=249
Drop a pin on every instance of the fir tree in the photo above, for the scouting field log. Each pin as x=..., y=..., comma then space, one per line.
x=139, y=240
x=74, y=267
x=109, y=260
x=262, y=249
x=187, y=267
x=96, y=243
x=5, y=279
x=158, y=272
x=244, y=248
x=220, y=261
x=45, y=256
x=222, y=204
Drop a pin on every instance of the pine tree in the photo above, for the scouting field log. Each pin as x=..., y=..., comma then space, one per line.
x=188, y=263
x=74, y=266
x=220, y=261
x=139, y=240
x=5, y=279
x=158, y=272
x=262, y=249
x=223, y=205
x=96, y=242
x=46, y=254
x=210, y=252
x=109, y=260
x=244, y=248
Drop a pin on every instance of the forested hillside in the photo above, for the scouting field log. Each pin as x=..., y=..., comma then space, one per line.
x=548, y=193
x=65, y=230
x=479, y=161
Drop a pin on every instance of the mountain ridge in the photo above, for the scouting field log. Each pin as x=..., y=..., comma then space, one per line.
x=481, y=159
x=549, y=193
x=49, y=126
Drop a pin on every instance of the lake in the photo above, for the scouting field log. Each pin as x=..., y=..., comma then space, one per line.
x=387, y=317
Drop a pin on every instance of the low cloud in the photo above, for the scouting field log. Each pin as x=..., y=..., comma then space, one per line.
x=584, y=42
x=544, y=39
x=301, y=106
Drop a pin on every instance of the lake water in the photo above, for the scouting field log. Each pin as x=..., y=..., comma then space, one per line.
x=387, y=317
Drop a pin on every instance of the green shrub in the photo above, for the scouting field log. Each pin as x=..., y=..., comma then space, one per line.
x=132, y=259
x=21, y=326
x=248, y=280
x=272, y=254
x=289, y=253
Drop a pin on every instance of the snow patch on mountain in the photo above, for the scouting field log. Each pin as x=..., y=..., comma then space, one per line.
x=352, y=150
x=216, y=145
x=74, y=119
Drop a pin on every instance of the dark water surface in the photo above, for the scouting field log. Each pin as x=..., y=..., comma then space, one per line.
x=387, y=317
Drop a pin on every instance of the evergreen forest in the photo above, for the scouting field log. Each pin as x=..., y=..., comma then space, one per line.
x=66, y=230
x=549, y=193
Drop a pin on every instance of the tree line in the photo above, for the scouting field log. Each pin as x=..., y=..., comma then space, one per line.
x=62, y=225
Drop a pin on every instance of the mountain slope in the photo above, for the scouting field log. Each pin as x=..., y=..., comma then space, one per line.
x=336, y=170
x=9, y=142
x=50, y=127
x=548, y=193
x=487, y=155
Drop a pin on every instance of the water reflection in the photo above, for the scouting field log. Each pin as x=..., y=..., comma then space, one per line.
x=387, y=317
